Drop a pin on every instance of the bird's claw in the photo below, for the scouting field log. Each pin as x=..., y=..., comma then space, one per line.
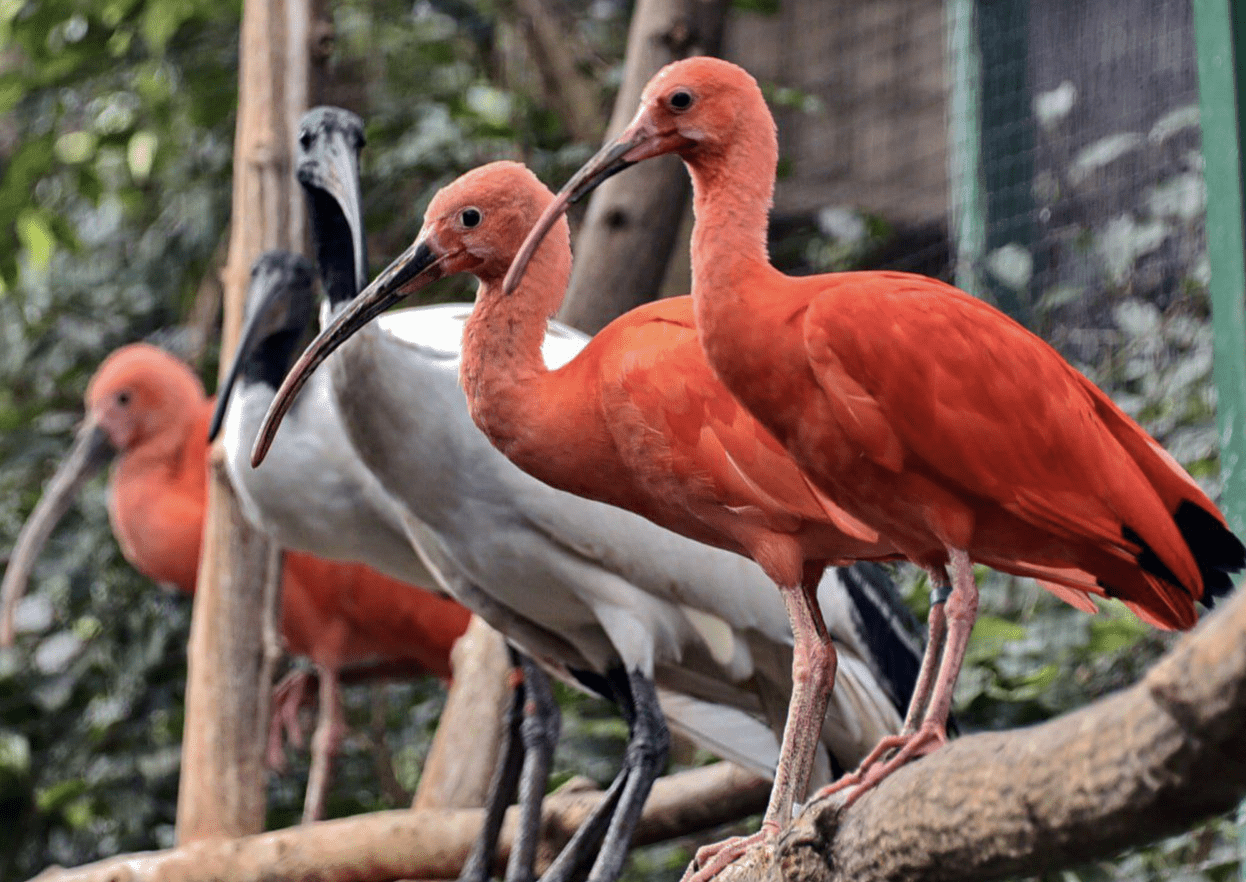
x=289, y=695
x=710, y=860
x=881, y=761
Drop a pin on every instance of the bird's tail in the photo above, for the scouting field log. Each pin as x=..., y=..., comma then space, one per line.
x=1208, y=540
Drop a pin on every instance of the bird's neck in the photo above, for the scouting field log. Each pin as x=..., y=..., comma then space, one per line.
x=509, y=389
x=732, y=192
x=158, y=495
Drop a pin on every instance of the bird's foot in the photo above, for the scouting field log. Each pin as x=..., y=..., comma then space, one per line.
x=881, y=762
x=712, y=859
x=293, y=691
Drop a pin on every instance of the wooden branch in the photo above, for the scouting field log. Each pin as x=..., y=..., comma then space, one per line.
x=420, y=844
x=465, y=747
x=629, y=229
x=1141, y=764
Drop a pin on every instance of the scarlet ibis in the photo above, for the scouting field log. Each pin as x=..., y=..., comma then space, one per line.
x=926, y=413
x=600, y=595
x=149, y=410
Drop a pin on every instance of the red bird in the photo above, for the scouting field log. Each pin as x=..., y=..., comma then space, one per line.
x=922, y=411
x=150, y=409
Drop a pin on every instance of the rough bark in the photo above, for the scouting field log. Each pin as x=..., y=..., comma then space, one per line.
x=629, y=229
x=221, y=792
x=465, y=747
x=420, y=844
x=1141, y=764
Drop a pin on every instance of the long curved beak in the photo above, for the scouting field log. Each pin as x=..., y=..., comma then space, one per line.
x=92, y=451
x=415, y=268
x=639, y=141
x=607, y=163
x=273, y=306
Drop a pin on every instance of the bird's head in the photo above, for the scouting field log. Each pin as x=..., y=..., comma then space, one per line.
x=688, y=108
x=473, y=225
x=476, y=224
x=694, y=108
x=328, y=152
x=280, y=302
x=140, y=393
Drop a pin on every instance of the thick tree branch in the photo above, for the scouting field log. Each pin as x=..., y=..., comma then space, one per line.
x=421, y=844
x=1141, y=764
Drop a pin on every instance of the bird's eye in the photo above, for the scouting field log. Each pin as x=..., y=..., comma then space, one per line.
x=123, y=398
x=681, y=99
x=471, y=217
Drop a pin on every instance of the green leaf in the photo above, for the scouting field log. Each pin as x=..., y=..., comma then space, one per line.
x=140, y=154
x=1116, y=632
x=55, y=797
x=161, y=21
x=14, y=754
x=996, y=629
x=36, y=237
x=75, y=147
x=12, y=90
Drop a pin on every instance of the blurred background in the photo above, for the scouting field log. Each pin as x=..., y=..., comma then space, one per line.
x=1043, y=154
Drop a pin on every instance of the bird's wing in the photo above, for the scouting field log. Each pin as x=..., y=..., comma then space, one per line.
x=925, y=378
x=658, y=383
x=724, y=731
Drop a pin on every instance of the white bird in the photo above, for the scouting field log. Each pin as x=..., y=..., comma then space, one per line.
x=598, y=594
x=314, y=494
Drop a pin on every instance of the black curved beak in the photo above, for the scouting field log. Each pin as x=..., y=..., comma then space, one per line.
x=92, y=451
x=415, y=268
x=279, y=299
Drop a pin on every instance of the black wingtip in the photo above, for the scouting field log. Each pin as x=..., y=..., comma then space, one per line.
x=1216, y=550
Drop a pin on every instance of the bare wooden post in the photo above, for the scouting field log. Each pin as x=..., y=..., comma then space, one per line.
x=227, y=694
x=629, y=229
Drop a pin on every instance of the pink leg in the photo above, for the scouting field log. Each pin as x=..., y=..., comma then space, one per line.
x=813, y=676
x=289, y=695
x=936, y=639
x=960, y=613
x=329, y=731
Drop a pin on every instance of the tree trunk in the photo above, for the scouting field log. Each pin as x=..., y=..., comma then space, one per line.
x=629, y=229
x=227, y=694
